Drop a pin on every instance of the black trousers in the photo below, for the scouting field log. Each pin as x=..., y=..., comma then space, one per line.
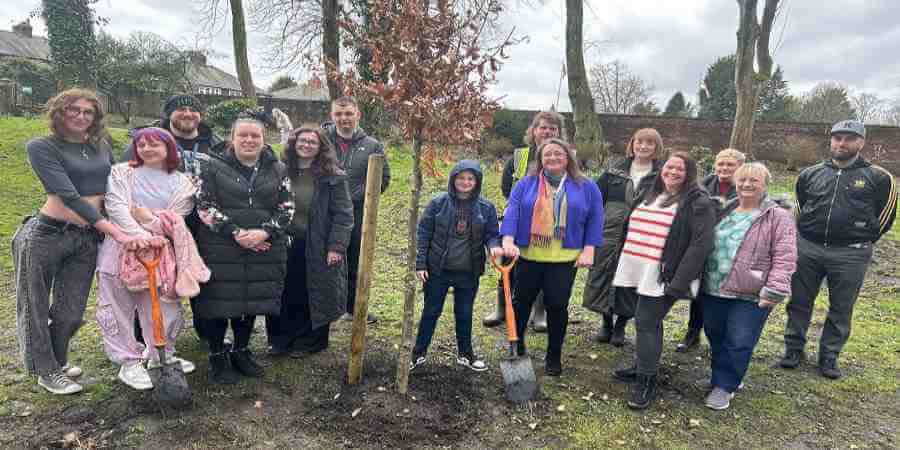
x=353, y=256
x=292, y=329
x=555, y=281
x=215, y=329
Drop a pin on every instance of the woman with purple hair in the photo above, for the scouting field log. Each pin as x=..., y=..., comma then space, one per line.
x=146, y=197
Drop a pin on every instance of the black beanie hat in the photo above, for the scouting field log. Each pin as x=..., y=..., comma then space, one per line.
x=176, y=101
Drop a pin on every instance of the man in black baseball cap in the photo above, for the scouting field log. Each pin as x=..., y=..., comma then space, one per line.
x=844, y=205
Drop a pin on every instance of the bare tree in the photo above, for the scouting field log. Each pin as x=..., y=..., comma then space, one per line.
x=827, y=102
x=616, y=89
x=752, y=48
x=869, y=107
x=892, y=115
x=214, y=14
x=588, y=132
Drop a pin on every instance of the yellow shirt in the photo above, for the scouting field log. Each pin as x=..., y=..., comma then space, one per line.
x=555, y=253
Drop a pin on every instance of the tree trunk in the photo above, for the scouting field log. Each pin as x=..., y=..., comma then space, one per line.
x=331, y=47
x=588, y=132
x=242, y=63
x=752, y=44
x=409, y=297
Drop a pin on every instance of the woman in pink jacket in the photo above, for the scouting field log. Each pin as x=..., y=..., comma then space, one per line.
x=748, y=273
x=148, y=198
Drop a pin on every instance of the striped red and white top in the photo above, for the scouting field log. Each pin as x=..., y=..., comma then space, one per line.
x=639, y=264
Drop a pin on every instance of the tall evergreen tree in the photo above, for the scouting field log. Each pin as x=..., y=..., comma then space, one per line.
x=73, y=44
x=718, y=98
x=676, y=106
x=774, y=99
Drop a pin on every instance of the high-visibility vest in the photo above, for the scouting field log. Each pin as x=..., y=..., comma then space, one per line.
x=521, y=158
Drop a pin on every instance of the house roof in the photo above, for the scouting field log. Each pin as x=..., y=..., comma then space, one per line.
x=303, y=92
x=206, y=75
x=12, y=44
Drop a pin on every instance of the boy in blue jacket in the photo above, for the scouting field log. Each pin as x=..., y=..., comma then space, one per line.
x=453, y=235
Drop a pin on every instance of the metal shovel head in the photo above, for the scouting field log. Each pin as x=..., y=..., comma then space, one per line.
x=518, y=376
x=170, y=387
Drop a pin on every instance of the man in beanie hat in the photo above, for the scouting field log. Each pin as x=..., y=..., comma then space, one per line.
x=844, y=205
x=182, y=115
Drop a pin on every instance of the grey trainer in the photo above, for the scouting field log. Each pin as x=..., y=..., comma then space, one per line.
x=719, y=399
x=58, y=383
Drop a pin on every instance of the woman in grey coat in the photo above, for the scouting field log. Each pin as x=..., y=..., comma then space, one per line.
x=315, y=289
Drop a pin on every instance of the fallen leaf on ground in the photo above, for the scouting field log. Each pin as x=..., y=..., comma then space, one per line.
x=532, y=425
x=561, y=408
x=592, y=356
x=337, y=396
x=355, y=412
x=694, y=423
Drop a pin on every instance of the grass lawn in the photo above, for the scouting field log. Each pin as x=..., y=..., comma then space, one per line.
x=305, y=403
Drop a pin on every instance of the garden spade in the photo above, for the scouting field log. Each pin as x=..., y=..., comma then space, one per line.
x=518, y=374
x=170, y=388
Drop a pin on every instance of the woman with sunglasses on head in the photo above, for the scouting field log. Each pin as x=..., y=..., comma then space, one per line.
x=56, y=250
x=315, y=288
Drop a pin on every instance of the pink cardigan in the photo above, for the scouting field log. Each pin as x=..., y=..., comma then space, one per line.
x=767, y=256
x=190, y=269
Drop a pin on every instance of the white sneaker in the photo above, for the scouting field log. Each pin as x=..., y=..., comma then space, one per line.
x=72, y=371
x=186, y=366
x=59, y=383
x=135, y=376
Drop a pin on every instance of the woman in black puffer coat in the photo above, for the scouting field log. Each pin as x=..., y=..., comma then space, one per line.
x=245, y=201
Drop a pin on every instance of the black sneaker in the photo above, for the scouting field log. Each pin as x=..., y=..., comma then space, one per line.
x=690, y=340
x=828, y=368
x=416, y=360
x=243, y=362
x=471, y=361
x=626, y=375
x=643, y=392
x=278, y=352
x=220, y=370
x=791, y=359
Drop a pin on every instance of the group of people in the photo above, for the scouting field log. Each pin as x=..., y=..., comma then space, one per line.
x=237, y=229
x=243, y=232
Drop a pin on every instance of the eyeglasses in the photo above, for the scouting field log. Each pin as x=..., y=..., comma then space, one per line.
x=74, y=111
x=309, y=142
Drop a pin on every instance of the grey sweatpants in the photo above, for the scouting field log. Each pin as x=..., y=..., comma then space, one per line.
x=845, y=269
x=58, y=259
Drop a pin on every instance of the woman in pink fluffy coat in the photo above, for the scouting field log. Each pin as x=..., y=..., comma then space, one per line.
x=147, y=197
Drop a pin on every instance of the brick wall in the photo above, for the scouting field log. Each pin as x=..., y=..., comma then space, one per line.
x=772, y=141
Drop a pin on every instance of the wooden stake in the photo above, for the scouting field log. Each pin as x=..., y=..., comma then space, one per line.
x=364, y=274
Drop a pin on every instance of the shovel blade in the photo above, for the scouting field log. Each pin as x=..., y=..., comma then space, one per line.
x=170, y=387
x=518, y=376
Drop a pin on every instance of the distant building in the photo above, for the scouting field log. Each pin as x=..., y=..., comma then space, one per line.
x=210, y=80
x=20, y=43
x=312, y=90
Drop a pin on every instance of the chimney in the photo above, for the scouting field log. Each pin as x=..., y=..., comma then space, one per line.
x=23, y=29
x=197, y=57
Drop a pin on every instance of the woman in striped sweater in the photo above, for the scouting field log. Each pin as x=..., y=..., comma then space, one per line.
x=669, y=237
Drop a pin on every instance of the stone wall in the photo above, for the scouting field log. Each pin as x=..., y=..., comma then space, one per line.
x=772, y=141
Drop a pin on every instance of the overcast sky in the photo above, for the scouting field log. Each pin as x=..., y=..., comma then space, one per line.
x=668, y=43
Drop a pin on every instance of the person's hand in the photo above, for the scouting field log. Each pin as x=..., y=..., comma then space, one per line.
x=261, y=247
x=496, y=252
x=585, y=258
x=422, y=275
x=333, y=258
x=766, y=304
x=142, y=214
x=510, y=250
x=167, y=221
x=130, y=242
x=205, y=217
x=157, y=242
x=250, y=238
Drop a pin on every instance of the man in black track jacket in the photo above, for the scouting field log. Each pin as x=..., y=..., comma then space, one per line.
x=844, y=205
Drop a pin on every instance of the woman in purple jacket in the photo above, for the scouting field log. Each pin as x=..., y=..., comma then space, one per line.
x=748, y=272
x=555, y=219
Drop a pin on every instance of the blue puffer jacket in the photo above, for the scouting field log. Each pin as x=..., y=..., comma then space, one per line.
x=437, y=221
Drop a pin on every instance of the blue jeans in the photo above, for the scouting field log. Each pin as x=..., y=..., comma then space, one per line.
x=465, y=286
x=733, y=328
